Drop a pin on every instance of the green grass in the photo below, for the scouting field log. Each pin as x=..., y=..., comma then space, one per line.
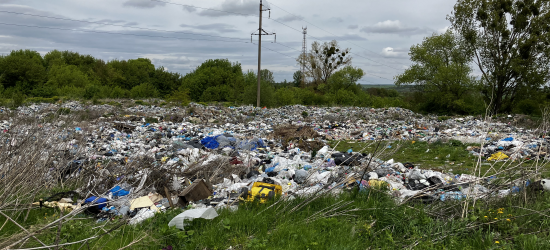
x=441, y=156
x=379, y=224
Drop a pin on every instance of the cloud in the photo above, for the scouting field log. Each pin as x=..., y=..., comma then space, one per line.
x=337, y=19
x=394, y=27
x=219, y=27
x=110, y=21
x=290, y=18
x=189, y=8
x=230, y=7
x=6, y=1
x=443, y=30
x=353, y=26
x=394, y=53
x=144, y=4
x=347, y=37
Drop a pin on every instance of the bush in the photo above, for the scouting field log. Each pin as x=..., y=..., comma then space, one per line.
x=18, y=98
x=42, y=100
x=181, y=97
x=140, y=102
x=305, y=114
x=91, y=91
x=144, y=90
x=528, y=107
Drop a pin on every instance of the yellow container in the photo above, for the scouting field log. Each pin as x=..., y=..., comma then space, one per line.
x=263, y=191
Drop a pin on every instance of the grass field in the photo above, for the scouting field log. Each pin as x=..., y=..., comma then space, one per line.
x=371, y=220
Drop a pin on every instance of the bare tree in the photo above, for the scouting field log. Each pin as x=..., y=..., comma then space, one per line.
x=323, y=60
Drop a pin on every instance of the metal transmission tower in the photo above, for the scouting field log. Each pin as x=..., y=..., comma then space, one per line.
x=304, y=55
x=260, y=33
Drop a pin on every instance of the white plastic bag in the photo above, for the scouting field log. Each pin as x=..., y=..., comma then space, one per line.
x=205, y=213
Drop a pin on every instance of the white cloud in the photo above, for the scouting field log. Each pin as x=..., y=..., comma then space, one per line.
x=443, y=30
x=391, y=52
x=394, y=27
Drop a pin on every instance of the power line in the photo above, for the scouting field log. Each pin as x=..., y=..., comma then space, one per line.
x=117, y=25
x=242, y=14
x=378, y=76
x=117, y=33
x=303, y=19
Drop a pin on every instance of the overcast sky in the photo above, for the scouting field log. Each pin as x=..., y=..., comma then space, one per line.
x=178, y=36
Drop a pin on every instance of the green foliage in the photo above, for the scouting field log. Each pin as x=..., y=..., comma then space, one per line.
x=528, y=107
x=305, y=114
x=215, y=76
x=61, y=75
x=63, y=111
x=140, y=102
x=442, y=73
x=144, y=90
x=42, y=100
x=382, y=92
x=510, y=39
x=181, y=96
x=345, y=79
x=27, y=77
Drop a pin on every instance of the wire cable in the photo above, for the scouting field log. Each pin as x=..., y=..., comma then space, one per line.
x=117, y=25
x=242, y=14
x=117, y=33
x=303, y=19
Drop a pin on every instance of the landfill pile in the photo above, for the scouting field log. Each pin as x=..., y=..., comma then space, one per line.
x=144, y=159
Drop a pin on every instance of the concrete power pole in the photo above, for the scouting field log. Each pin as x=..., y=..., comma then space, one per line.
x=260, y=33
x=304, y=54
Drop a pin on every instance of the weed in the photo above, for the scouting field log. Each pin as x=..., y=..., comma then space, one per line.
x=151, y=120
x=140, y=102
x=63, y=111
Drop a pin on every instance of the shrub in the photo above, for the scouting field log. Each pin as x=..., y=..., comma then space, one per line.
x=144, y=90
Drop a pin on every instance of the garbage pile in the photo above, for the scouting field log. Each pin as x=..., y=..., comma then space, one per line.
x=204, y=157
x=511, y=149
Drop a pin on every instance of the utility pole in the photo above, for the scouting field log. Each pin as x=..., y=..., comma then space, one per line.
x=260, y=33
x=304, y=55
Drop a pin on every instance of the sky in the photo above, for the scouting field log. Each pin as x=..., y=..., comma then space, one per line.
x=181, y=34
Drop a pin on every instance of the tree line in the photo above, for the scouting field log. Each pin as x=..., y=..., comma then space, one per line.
x=26, y=73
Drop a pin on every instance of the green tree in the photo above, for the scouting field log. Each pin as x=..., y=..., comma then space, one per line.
x=345, y=79
x=323, y=60
x=297, y=79
x=441, y=71
x=511, y=43
x=214, y=73
x=267, y=94
x=23, y=69
x=61, y=75
x=267, y=75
